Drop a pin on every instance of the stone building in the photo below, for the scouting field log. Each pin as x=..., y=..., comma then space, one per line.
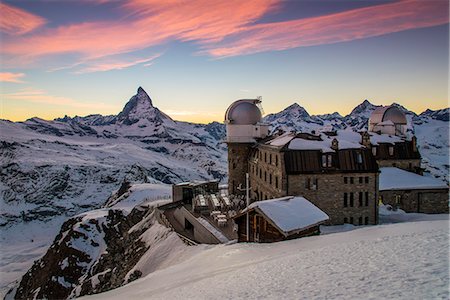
x=413, y=193
x=337, y=171
x=341, y=181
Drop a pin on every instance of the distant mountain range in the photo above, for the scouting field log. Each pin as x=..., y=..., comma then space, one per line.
x=75, y=163
x=52, y=170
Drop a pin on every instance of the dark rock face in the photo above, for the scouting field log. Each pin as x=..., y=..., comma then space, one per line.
x=441, y=114
x=91, y=254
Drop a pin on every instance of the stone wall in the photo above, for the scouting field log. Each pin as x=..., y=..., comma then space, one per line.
x=418, y=201
x=267, y=175
x=411, y=165
x=237, y=166
x=326, y=191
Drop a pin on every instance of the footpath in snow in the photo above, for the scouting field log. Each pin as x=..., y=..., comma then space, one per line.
x=401, y=261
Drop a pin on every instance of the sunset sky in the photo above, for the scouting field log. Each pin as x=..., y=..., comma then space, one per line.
x=195, y=57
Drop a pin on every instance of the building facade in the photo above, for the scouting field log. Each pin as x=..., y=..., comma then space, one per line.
x=341, y=182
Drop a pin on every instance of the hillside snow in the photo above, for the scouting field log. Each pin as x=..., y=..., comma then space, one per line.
x=401, y=261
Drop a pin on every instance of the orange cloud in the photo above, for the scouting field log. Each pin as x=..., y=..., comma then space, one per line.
x=41, y=96
x=17, y=21
x=340, y=27
x=11, y=77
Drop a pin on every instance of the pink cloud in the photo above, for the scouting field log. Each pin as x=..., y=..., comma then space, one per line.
x=340, y=27
x=148, y=23
x=11, y=77
x=116, y=64
x=220, y=28
x=17, y=21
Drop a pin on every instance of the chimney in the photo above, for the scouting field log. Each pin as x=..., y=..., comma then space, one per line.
x=335, y=144
x=414, y=143
x=365, y=139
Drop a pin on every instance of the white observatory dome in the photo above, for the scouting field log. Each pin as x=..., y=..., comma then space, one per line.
x=244, y=112
x=388, y=120
x=388, y=113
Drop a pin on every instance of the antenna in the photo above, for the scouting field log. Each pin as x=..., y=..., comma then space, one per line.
x=259, y=105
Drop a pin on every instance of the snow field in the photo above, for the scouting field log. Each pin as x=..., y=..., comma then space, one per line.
x=401, y=261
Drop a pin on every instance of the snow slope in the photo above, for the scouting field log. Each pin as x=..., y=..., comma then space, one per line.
x=401, y=261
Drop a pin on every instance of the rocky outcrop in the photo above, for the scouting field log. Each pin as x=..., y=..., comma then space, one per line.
x=94, y=252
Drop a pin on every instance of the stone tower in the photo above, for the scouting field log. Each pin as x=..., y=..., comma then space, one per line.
x=244, y=128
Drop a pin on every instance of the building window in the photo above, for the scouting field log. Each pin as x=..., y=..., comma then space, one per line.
x=311, y=183
x=351, y=220
x=359, y=159
x=265, y=157
x=391, y=150
x=265, y=176
x=360, y=221
x=360, y=199
x=270, y=178
x=367, y=198
x=374, y=151
x=360, y=179
x=260, y=173
x=351, y=180
x=345, y=220
x=276, y=181
x=270, y=158
x=345, y=180
x=276, y=160
x=327, y=160
x=351, y=199
x=366, y=221
x=366, y=179
x=345, y=200
x=234, y=166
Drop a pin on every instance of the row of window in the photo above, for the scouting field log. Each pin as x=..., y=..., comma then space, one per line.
x=363, y=199
x=390, y=149
x=271, y=179
x=351, y=180
x=360, y=221
x=267, y=158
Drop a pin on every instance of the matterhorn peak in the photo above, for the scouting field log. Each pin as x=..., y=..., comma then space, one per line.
x=139, y=106
x=141, y=93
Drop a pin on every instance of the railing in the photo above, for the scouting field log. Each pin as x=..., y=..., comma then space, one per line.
x=186, y=240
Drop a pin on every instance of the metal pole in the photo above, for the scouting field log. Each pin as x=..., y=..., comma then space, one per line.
x=248, y=200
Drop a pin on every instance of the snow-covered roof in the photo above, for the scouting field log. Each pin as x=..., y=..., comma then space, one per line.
x=397, y=179
x=282, y=139
x=376, y=139
x=303, y=144
x=347, y=139
x=290, y=213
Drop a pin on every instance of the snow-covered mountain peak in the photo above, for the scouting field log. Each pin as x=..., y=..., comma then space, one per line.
x=296, y=110
x=365, y=108
x=139, y=107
